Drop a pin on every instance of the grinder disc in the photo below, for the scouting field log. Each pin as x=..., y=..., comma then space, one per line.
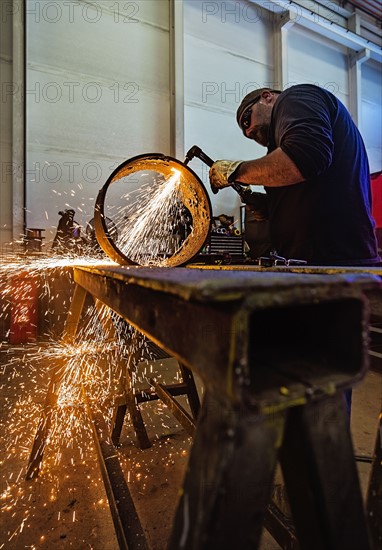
x=161, y=209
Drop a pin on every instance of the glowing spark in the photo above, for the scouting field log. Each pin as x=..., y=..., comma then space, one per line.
x=150, y=226
x=90, y=364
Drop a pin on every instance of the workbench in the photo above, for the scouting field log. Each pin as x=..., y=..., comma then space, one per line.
x=275, y=351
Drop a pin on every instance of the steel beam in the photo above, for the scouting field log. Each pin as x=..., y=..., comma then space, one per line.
x=175, y=408
x=58, y=373
x=127, y=524
x=269, y=347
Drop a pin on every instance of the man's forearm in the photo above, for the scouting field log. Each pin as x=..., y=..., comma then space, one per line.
x=273, y=170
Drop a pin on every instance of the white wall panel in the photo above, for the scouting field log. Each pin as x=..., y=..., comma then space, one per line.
x=7, y=167
x=101, y=121
x=98, y=93
x=313, y=58
x=98, y=90
x=236, y=26
x=316, y=60
x=7, y=90
x=109, y=48
x=371, y=87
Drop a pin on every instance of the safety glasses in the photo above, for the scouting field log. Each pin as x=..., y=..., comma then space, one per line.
x=246, y=118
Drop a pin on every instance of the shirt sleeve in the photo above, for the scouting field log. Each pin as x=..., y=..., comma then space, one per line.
x=303, y=129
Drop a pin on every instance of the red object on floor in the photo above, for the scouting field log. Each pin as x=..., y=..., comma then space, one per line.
x=24, y=303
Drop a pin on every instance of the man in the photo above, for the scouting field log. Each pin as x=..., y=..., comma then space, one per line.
x=68, y=235
x=316, y=175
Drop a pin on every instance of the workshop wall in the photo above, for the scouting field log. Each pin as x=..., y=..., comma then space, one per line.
x=230, y=50
x=98, y=91
x=371, y=113
x=6, y=21
x=98, y=94
x=330, y=67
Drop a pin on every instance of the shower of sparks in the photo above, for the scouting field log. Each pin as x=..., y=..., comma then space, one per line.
x=26, y=370
x=151, y=227
x=92, y=364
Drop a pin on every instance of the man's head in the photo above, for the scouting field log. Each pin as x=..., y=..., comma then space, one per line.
x=254, y=114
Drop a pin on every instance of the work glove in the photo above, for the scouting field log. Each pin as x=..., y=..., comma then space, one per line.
x=222, y=173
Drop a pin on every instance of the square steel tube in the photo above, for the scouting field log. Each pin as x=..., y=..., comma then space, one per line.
x=275, y=351
x=247, y=332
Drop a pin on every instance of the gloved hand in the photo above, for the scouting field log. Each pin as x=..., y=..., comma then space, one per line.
x=222, y=173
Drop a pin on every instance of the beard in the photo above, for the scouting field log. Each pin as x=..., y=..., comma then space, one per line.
x=260, y=134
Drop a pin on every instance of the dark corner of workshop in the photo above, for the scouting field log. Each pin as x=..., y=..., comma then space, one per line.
x=191, y=275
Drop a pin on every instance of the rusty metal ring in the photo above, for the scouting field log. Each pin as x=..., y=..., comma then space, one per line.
x=194, y=197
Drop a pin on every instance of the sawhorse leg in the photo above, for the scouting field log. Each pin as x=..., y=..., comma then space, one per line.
x=126, y=382
x=128, y=400
x=230, y=474
x=186, y=387
x=320, y=474
x=192, y=392
x=374, y=496
x=57, y=376
x=229, y=478
x=163, y=392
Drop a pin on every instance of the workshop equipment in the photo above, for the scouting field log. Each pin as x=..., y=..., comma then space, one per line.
x=24, y=308
x=33, y=240
x=275, y=352
x=135, y=196
x=147, y=233
x=196, y=151
x=226, y=242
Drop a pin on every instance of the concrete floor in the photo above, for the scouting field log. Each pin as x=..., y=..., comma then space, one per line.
x=66, y=507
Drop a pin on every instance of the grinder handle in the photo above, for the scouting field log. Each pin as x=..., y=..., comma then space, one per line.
x=206, y=159
x=196, y=151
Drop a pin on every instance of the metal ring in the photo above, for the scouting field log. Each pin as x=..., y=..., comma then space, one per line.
x=193, y=195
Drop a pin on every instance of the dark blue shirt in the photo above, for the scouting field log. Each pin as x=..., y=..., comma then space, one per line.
x=325, y=219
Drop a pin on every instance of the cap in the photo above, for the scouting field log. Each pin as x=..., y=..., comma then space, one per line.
x=250, y=99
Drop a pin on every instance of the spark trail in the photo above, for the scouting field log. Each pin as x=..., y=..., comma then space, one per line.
x=150, y=227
